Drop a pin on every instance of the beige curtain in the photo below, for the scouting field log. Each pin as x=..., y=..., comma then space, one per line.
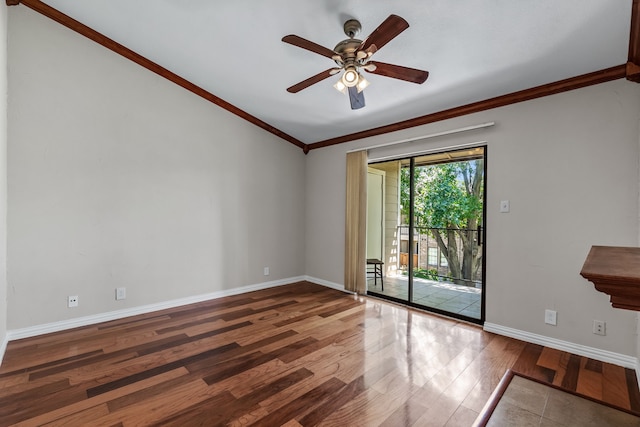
x=356, y=223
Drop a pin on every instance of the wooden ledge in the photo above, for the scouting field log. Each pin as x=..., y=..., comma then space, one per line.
x=615, y=271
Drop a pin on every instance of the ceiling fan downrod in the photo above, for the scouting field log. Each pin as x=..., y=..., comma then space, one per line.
x=352, y=28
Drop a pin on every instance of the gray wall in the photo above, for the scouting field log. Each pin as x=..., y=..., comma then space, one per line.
x=569, y=165
x=117, y=177
x=3, y=174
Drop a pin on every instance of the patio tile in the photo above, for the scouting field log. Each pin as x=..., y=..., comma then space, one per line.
x=443, y=295
x=470, y=313
x=455, y=307
x=446, y=296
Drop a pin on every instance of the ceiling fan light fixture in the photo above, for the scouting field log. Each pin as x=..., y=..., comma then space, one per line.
x=350, y=77
x=340, y=87
x=362, y=84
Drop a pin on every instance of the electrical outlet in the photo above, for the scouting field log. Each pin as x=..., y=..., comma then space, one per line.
x=600, y=327
x=551, y=317
x=72, y=301
x=266, y=271
x=121, y=293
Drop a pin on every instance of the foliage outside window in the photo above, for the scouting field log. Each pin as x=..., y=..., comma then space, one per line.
x=448, y=205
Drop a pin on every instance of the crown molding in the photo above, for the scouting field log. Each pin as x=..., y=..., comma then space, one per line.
x=572, y=83
x=630, y=70
x=633, y=64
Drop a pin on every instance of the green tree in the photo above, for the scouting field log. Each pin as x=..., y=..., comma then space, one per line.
x=448, y=201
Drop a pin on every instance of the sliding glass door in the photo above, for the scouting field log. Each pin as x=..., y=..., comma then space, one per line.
x=433, y=256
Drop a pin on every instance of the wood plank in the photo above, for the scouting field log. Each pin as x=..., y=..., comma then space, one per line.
x=527, y=364
x=570, y=380
x=348, y=393
x=317, y=396
x=589, y=379
x=68, y=411
x=83, y=417
x=497, y=358
x=614, y=390
x=207, y=413
x=351, y=360
x=153, y=410
x=633, y=392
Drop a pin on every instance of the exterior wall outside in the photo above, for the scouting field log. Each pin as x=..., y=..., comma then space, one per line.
x=568, y=163
x=391, y=203
x=119, y=178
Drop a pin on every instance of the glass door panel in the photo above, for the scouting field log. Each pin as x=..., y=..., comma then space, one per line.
x=439, y=266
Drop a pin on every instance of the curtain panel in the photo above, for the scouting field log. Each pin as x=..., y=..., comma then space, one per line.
x=356, y=223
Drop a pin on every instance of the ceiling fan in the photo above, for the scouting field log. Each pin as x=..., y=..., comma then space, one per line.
x=352, y=55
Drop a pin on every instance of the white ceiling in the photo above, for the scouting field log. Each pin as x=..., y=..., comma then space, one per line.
x=473, y=49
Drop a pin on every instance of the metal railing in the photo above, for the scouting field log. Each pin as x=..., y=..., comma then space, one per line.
x=430, y=261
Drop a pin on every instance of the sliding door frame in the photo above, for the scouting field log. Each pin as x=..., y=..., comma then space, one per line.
x=411, y=240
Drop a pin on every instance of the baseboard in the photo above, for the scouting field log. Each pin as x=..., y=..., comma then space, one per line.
x=326, y=283
x=119, y=314
x=581, y=350
x=3, y=347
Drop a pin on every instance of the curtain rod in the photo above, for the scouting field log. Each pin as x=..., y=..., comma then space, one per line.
x=433, y=135
x=426, y=152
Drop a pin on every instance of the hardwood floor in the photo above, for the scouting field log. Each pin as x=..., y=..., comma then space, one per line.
x=300, y=354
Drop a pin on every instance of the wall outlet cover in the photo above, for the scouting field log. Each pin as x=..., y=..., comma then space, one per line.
x=551, y=317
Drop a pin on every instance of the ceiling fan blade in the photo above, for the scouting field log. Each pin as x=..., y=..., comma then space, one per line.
x=412, y=75
x=312, y=80
x=387, y=31
x=308, y=45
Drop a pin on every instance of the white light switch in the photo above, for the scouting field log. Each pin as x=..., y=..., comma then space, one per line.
x=504, y=206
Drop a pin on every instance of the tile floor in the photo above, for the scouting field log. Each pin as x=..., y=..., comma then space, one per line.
x=528, y=403
x=445, y=296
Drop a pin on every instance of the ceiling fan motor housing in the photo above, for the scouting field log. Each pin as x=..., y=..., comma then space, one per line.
x=347, y=50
